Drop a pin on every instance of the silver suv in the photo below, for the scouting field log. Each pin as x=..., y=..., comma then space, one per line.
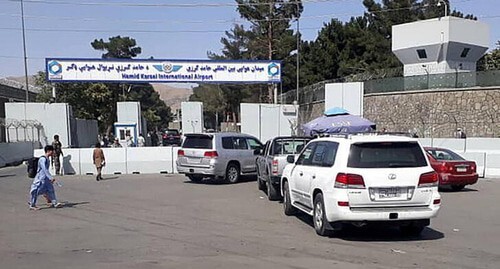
x=218, y=155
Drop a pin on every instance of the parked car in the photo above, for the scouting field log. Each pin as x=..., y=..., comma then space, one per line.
x=453, y=170
x=171, y=137
x=218, y=155
x=357, y=179
x=272, y=160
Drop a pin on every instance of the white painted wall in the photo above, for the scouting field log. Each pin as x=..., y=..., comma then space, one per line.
x=266, y=121
x=55, y=119
x=130, y=112
x=192, y=117
x=348, y=96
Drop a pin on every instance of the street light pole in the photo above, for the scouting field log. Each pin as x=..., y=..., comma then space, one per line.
x=24, y=50
x=298, y=54
x=445, y=7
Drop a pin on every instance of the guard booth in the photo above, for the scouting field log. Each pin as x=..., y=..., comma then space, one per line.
x=124, y=130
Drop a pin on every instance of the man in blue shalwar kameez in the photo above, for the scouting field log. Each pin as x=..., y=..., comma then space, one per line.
x=43, y=182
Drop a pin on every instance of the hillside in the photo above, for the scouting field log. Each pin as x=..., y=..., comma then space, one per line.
x=172, y=96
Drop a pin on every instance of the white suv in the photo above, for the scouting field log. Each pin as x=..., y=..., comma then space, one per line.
x=362, y=178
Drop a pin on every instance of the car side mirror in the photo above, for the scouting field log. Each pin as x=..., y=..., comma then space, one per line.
x=290, y=159
x=257, y=151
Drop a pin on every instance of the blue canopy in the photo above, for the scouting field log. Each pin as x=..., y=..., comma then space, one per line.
x=335, y=111
x=343, y=123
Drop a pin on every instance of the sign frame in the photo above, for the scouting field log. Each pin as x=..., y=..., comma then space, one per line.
x=277, y=63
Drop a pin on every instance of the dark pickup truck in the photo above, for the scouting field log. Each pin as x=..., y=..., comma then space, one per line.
x=272, y=160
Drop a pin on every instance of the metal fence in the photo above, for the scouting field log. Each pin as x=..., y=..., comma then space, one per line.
x=436, y=81
x=24, y=130
x=392, y=81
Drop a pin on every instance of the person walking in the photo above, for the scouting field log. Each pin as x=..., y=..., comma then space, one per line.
x=141, y=141
x=43, y=184
x=99, y=160
x=56, y=161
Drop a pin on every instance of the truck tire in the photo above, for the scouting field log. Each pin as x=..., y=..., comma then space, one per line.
x=232, y=173
x=319, y=216
x=288, y=208
x=272, y=192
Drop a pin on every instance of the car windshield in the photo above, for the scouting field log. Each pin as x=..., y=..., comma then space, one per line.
x=444, y=155
x=198, y=142
x=287, y=147
x=386, y=155
x=173, y=132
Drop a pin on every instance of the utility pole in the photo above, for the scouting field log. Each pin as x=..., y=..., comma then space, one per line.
x=298, y=54
x=270, y=87
x=24, y=50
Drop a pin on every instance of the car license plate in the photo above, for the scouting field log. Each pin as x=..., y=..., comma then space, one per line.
x=461, y=169
x=194, y=160
x=387, y=193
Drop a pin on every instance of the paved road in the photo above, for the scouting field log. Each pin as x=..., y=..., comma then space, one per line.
x=163, y=221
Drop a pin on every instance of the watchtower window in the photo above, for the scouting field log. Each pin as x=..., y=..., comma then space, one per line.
x=422, y=54
x=465, y=52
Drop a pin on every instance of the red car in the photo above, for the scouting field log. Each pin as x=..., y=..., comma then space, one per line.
x=453, y=170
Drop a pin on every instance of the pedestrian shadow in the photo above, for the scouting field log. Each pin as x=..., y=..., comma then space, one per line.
x=211, y=181
x=375, y=232
x=73, y=204
x=109, y=178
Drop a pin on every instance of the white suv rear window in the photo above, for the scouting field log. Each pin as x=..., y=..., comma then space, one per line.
x=197, y=142
x=386, y=155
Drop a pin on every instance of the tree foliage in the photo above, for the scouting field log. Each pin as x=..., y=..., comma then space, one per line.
x=491, y=60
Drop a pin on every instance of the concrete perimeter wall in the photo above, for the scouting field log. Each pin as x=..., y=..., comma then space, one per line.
x=143, y=160
x=437, y=113
x=13, y=153
x=150, y=160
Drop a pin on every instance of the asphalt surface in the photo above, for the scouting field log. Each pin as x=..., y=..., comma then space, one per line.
x=164, y=221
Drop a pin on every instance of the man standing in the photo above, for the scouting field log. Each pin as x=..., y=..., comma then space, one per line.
x=141, y=141
x=99, y=160
x=43, y=182
x=57, y=153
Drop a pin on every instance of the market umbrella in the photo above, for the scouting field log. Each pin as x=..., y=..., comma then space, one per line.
x=337, y=120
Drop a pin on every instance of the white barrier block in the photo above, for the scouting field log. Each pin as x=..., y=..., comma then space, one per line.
x=479, y=158
x=449, y=143
x=492, y=165
x=482, y=144
x=425, y=142
x=115, y=161
x=71, y=161
x=149, y=160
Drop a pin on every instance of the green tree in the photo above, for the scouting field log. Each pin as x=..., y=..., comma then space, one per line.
x=491, y=60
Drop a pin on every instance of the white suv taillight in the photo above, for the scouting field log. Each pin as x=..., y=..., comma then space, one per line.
x=275, y=167
x=430, y=179
x=211, y=154
x=349, y=181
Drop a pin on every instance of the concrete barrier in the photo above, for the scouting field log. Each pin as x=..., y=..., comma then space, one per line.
x=449, y=143
x=149, y=160
x=492, y=165
x=479, y=158
x=482, y=144
x=71, y=162
x=12, y=153
x=426, y=142
x=115, y=161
